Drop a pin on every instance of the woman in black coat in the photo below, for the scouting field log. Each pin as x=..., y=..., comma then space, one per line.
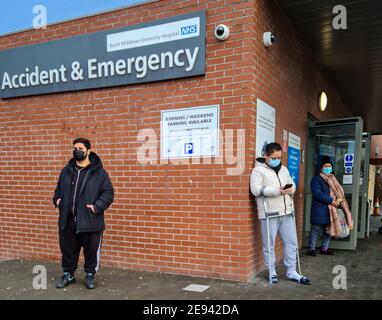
x=320, y=209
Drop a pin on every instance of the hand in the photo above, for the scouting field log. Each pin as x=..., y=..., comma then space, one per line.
x=90, y=206
x=286, y=191
x=58, y=202
x=339, y=200
x=334, y=204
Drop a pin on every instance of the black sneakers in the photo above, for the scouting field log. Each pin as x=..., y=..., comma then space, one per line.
x=303, y=280
x=69, y=278
x=90, y=281
x=66, y=280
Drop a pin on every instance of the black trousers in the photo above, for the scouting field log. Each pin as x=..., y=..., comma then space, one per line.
x=71, y=243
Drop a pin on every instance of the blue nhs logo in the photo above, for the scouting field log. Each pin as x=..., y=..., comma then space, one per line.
x=188, y=30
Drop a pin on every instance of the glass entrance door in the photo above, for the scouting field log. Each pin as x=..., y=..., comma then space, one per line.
x=364, y=213
x=341, y=140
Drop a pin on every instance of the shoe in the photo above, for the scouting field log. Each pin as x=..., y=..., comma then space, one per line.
x=312, y=253
x=303, y=280
x=90, y=281
x=327, y=252
x=274, y=279
x=66, y=280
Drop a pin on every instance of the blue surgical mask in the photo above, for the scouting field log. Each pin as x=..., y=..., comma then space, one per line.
x=274, y=163
x=327, y=170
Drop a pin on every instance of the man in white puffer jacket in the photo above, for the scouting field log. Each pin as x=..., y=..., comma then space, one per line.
x=268, y=179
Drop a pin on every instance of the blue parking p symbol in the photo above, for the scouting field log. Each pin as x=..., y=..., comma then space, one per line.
x=189, y=148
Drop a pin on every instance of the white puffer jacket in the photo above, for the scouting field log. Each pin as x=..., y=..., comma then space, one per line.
x=266, y=184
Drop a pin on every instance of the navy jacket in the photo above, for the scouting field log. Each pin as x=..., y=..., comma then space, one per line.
x=321, y=200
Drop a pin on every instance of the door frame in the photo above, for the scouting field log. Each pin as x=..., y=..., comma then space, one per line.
x=355, y=187
x=364, y=189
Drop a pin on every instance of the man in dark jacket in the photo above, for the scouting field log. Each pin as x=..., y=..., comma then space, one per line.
x=84, y=191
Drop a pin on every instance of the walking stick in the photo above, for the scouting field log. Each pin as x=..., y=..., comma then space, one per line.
x=269, y=215
x=295, y=225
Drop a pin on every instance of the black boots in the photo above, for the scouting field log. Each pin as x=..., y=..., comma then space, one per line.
x=90, y=281
x=66, y=280
x=312, y=253
x=327, y=252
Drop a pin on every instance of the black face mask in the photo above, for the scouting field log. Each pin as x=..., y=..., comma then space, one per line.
x=79, y=155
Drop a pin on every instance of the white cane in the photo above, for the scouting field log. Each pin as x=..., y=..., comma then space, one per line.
x=295, y=225
x=269, y=250
x=269, y=215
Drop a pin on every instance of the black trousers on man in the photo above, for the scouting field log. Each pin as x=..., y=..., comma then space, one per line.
x=71, y=243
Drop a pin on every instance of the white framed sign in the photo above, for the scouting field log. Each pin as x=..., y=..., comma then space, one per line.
x=294, y=141
x=190, y=132
x=347, y=179
x=265, y=126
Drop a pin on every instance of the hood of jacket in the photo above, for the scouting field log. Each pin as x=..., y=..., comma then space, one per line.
x=260, y=162
x=95, y=162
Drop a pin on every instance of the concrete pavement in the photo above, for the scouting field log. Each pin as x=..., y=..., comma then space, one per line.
x=363, y=267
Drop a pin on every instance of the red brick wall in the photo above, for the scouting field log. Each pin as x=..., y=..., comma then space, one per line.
x=190, y=219
x=288, y=78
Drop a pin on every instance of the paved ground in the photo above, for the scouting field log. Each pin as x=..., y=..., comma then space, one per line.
x=364, y=281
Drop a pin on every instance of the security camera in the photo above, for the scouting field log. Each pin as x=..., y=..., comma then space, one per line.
x=221, y=32
x=269, y=38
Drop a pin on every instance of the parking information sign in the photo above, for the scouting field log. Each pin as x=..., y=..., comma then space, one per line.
x=190, y=132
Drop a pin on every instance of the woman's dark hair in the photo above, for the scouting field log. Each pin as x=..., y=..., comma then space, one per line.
x=84, y=141
x=272, y=147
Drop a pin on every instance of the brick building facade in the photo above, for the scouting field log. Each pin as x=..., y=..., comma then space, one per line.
x=186, y=218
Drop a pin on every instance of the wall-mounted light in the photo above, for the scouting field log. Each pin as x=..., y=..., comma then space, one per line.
x=323, y=101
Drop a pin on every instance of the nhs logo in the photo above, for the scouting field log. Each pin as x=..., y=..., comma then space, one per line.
x=189, y=30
